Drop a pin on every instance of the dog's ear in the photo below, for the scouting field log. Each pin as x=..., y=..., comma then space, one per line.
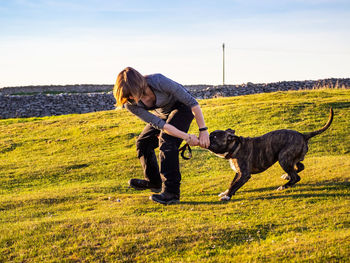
x=230, y=135
x=230, y=131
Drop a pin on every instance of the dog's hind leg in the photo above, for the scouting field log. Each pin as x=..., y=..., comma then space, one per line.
x=294, y=179
x=298, y=168
x=289, y=166
x=285, y=177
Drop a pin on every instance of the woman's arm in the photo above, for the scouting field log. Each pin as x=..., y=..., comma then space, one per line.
x=204, y=141
x=145, y=115
x=191, y=139
x=197, y=112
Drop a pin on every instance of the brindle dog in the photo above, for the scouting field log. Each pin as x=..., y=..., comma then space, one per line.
x=254, y=155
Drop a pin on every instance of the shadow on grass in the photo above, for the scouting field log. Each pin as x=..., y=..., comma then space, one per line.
x=307, y=187
x=288, y=193
x=203, y=202
x=296, y=196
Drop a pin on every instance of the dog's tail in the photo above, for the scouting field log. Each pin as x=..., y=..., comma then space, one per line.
x=314, y=133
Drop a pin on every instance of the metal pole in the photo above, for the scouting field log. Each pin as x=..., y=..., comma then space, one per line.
x=223, y=63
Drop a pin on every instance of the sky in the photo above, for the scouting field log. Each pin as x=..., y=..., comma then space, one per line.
x=59, y=42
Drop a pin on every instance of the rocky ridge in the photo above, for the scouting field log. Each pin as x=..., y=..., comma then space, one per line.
x=39, y=101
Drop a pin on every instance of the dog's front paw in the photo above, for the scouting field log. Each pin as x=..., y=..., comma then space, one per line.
x=225, y=198
x=223, y=193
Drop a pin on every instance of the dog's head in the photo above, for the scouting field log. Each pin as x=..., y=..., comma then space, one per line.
x=221, y=141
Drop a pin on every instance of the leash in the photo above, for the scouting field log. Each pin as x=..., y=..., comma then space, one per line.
x=183, y=149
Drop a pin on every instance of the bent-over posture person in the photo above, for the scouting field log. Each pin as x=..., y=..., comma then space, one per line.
x=174, y=109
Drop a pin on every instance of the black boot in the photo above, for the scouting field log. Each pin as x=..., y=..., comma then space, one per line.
x=166, y=198
x=140, y=184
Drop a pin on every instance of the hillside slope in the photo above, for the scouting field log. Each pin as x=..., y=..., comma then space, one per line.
x=64, y=194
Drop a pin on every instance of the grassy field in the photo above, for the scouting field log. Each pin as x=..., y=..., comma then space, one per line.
x=64, y=194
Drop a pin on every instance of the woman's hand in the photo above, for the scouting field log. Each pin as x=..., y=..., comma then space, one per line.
x=204, y=141
x=192, y=140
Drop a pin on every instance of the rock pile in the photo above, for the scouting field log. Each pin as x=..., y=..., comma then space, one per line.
x=39, y=104
x=206, y=92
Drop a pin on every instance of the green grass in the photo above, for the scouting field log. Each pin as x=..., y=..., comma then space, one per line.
x=64, y=194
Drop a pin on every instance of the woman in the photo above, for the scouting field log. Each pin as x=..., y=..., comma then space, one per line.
x=174, y=109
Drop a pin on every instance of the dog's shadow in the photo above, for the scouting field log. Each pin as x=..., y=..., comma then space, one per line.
x=317, y=190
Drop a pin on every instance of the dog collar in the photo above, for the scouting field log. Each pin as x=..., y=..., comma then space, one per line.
x=233, y=150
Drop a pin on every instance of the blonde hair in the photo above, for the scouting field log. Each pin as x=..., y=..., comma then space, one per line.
x=129, y=83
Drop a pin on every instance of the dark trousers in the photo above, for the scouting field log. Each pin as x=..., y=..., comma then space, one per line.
x=150, y=138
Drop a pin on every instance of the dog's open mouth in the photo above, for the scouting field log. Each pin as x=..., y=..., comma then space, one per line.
x=214, y=147
x=212, y=144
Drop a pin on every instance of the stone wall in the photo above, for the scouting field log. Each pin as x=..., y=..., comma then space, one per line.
x=15, y=106
x=84, y=98
x=78, y=88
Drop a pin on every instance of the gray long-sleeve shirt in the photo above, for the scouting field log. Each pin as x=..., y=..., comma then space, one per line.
x=167, y=93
